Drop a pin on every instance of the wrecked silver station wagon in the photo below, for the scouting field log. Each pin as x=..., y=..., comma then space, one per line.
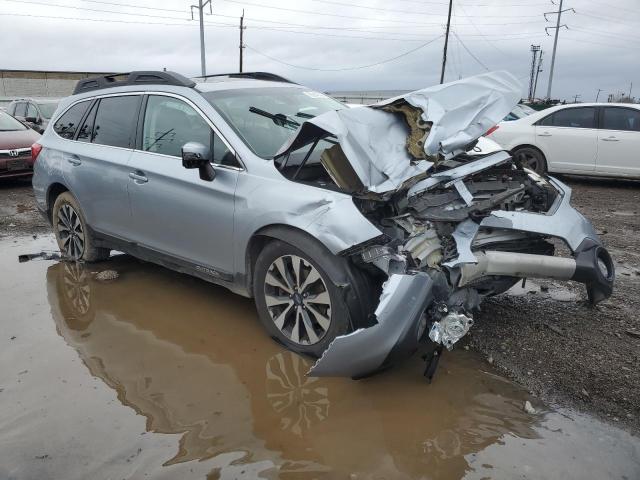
x=361, y=233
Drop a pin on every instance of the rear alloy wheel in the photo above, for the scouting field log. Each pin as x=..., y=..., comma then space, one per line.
x=300, y=304
x=74, y=238
x=531, y=158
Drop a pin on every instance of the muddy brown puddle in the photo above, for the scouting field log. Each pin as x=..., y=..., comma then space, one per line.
x=158, y=375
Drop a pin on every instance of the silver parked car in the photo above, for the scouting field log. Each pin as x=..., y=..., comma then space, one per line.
x=360, y=233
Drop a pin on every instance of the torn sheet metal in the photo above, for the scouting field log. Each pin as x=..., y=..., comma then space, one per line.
x=374, y=140
x=463, y=110
x=395, y=337
x=459, y=172
x=562, y=221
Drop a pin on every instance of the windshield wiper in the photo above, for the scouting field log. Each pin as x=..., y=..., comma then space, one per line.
x=304, y=115
x=279, y=119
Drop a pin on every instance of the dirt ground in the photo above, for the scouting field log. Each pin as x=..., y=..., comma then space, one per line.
x=544, y=336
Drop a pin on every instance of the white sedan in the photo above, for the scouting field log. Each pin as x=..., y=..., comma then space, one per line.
x=584, y=139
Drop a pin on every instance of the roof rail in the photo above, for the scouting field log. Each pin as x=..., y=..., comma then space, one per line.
x=132, y=78
x=269, y=77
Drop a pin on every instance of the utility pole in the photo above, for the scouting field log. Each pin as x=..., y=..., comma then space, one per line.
x=200, y=7
x=575, y=98
x=538, y=70
x=446, y=42
x=555, y=41
x=630, y=88
x=242, y=28
x=534, y=61
x=598, y=94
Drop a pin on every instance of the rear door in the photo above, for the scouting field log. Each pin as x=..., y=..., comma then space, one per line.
x=569, y=139
x=619, y=141
x=174, y=211
x=96, y=160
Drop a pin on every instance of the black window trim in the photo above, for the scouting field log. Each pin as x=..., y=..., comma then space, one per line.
x=75, y=134
x=601, y=116
x=596, y=119
x=94, y=98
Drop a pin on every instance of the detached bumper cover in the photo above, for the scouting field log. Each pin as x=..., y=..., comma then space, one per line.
x=395, y=337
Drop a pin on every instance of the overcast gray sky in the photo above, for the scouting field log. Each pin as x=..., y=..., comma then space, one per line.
x=325, y=40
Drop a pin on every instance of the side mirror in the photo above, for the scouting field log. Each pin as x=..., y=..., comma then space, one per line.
x=31, y=119
x=196, y=155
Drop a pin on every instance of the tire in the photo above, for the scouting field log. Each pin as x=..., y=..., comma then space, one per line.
x=306, y=324
x=532, y=158
x=74, y=238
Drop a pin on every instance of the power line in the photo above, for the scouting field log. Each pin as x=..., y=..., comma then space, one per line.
x=342, y=69
x=470, y=53
x=310, y=12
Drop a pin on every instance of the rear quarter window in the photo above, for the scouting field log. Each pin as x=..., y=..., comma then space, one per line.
x=68, y=123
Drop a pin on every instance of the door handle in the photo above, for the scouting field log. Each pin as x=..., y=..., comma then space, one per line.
x=74, y=160
x=610, y=139
x=544, y=134
x=138, y=177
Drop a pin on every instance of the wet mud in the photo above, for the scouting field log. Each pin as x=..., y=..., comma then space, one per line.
x=154, y=374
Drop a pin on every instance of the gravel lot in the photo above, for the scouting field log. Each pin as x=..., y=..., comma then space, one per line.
x=545, y=335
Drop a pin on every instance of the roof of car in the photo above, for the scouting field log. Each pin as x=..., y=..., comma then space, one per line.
x=37, y=99
x=238, y=83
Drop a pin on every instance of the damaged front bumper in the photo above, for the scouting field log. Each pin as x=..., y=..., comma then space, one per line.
x=402, y=312
x=394, y=337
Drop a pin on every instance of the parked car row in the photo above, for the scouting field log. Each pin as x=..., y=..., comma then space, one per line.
x=16, y=140
x=586, y=139
x=36, y=113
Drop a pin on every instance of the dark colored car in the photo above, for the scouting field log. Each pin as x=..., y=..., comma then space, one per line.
x=15, y=147
x=36, y=113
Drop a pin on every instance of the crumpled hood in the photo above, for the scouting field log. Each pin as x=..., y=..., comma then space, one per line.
x=374, y=141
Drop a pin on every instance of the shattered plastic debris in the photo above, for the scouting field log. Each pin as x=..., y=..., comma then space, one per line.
x=450, y=329
x=529, y=408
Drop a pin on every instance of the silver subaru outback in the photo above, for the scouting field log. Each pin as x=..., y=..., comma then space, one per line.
x=361, y=233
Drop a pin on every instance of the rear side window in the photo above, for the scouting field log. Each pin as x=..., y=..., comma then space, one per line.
x=115, y=121
x=21, y=110
x=31, y=110
x=581, y=117
x=67, y=124
x=619, y=118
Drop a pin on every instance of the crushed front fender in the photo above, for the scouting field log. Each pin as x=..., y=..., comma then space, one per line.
x=393, y=338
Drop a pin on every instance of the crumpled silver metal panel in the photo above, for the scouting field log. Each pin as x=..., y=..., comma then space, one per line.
x=365, y=351
x=563, y=221
x=374, y=141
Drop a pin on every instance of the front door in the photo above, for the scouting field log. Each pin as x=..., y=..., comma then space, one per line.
x=569, y=139
x=174, y=211
x=619, y=142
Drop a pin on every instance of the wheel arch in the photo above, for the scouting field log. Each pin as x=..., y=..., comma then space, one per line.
x=358, y=285
x=54, y=190
x=534, y=147
x=268, y=233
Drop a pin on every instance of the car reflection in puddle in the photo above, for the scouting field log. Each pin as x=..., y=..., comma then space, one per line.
x=193, y=359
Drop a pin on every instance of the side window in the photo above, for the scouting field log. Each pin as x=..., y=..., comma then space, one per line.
x=31, y=110
x=21, y=109
x=619, y=118
x=546, y=121
x=67, y=124
x=169, y=123
x=86, y=130
x=582, y=117
x=115, y=121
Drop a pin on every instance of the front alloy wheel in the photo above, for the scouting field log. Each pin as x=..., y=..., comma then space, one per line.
x=297, y=299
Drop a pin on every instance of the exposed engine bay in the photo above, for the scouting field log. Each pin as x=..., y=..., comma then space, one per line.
x=455, y=227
